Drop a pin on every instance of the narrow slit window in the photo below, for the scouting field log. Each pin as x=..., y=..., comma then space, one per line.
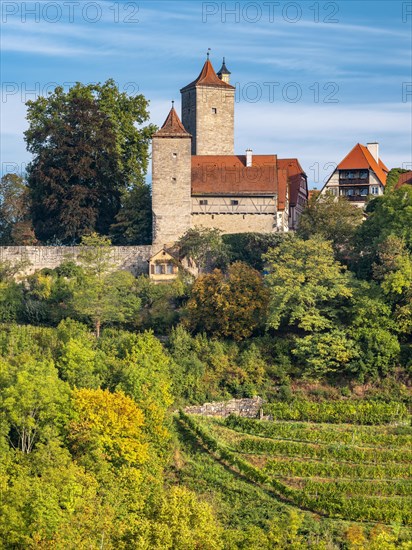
x=174, y=180
x=214, y=110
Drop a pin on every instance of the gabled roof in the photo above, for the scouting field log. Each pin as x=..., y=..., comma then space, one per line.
x=172, y=127
x=162, y=254
x=228, y=175
x=360, y=157
x=295, y=173
x=208, y=77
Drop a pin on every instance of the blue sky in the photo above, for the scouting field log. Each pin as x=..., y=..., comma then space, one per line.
x=313, y=78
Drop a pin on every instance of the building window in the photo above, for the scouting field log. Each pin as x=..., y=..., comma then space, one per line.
x=234, y=202
x=214, y=110
x=375, y=190
x=203, y=202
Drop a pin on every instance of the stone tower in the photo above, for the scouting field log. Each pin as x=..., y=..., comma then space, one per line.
x=171, y=181
x=208, y=106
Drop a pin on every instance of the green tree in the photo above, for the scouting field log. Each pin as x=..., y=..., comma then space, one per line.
x=307, y=285
x=393, y=269
x=15, y=223
x=250, y=247
x=108, y=426
x=185, y=522
x=229, y=305
x=34, y=402
x=390, y=214
x=11, y=292
x=332, y=219
x=393, y=178
x=133, y=224
x=88, y=153
x=205, y=247
x=104, y=295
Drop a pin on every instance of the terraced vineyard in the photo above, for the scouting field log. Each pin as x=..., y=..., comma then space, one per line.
x=355, y=472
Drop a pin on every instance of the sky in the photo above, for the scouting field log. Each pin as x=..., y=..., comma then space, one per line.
x=312, y=78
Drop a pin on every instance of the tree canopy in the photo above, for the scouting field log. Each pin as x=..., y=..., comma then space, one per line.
x=88, y=154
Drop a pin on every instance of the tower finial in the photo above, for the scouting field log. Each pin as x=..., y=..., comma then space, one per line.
x=208, y=53
x=173, y=103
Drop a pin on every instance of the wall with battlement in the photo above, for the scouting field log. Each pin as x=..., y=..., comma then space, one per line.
x=130, y=258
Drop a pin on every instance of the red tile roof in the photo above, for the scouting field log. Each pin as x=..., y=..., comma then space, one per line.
x=283, y=188
x=295, y=174
x=172, y=126
x=360, y=157
x=228, y=175
x=404, y=179
x=208, y=77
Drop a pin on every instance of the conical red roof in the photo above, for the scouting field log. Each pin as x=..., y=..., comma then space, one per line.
x=172, y=126
x=208, y=77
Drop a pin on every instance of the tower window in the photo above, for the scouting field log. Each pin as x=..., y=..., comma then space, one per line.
x=214, y=110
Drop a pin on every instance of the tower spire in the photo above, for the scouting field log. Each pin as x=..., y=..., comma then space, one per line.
x=224, y=73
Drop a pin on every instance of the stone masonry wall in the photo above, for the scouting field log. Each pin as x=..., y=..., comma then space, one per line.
x=248, y=407
x=129, y=258
x=215, y=131
x=236, y=223
x=212, y=132
x=171, y=188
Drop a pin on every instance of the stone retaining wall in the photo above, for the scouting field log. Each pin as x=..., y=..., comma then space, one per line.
x=129, y=258
x=248, y=407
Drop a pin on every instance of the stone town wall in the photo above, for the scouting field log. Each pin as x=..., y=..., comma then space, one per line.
x=129, y=258
x=248, y=407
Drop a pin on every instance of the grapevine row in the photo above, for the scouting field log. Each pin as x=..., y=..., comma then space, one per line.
x=251, y=444
x=310, y=468
x=320, y=433
x=339, y=412
x=358, y=508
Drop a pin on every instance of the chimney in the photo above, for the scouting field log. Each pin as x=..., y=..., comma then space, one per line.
x=373, y=149
x=249, y=156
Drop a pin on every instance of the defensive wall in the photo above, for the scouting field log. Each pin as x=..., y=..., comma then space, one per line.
x=130, y=258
